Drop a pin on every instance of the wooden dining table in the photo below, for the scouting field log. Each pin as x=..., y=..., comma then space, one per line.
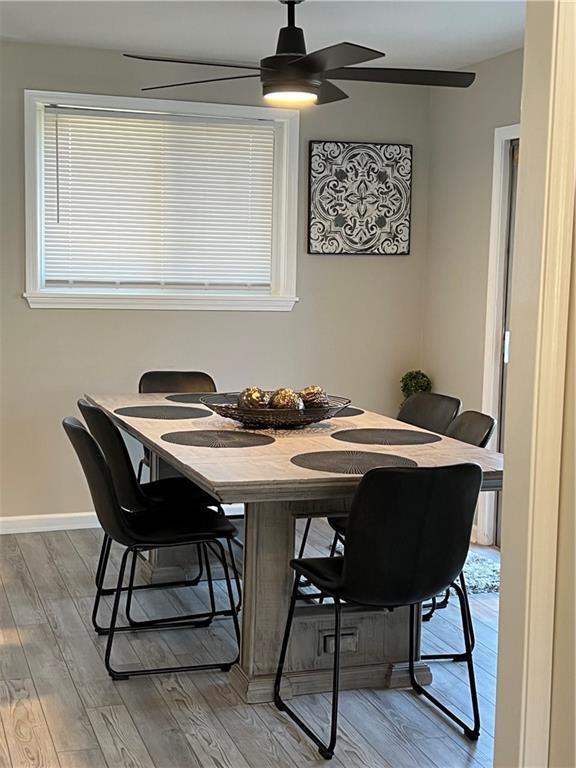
x=276, y=490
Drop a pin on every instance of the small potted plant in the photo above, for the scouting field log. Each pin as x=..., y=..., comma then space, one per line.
x=414, y=381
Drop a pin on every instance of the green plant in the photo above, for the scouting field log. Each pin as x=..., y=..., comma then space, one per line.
x=414, y=381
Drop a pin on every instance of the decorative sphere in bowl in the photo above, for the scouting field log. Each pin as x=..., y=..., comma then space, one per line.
x=253, y=397
x=287, y=399
x=313, y=397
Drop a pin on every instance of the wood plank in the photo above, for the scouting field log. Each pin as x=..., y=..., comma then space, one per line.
x=27, y=733
x=87, y=543
x=63, y=708
x=13, y=663
x=84, y=758
x=242, y=722
x=21, y=592
x=159, y=730
x=296, y=744
x=352, y=749
x=78, y=579
x=86, y=667
x=119, y=739
x=5, y=761
x=124, y=655
x=435, y=736
x=212, y=745
x=47, y=579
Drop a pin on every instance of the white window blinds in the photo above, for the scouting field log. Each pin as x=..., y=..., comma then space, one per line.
x=156, y=201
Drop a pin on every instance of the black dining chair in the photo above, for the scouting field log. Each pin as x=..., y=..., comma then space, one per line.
x=408, y=537
x=470, y=427
x=429, y=410
x=172, y=382
x=145, y=499
x=141, y=532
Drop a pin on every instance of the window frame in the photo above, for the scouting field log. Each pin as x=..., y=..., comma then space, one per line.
x=282, y=296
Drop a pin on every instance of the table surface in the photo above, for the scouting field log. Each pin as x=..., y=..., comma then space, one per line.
x=265, y=473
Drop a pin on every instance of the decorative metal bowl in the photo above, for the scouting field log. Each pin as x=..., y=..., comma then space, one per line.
x=226, y=404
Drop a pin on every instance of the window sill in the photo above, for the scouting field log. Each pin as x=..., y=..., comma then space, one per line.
x=68, y=300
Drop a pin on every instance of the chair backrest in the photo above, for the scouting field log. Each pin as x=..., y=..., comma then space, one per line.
x=112, y=444
x=176, y=381
x=472, y=427
x=408, y=532
x=429, y=410
x=111, y=517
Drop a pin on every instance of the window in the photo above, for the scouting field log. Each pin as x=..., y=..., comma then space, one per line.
x=159, y=204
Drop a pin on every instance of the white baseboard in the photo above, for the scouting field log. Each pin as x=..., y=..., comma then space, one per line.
x=63, y=522
x=40, y=523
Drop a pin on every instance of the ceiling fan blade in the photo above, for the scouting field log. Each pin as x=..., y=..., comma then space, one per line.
x=172, y=60
x=330, y=92
x=339, y=55
x=198, y=82
x=405, y=76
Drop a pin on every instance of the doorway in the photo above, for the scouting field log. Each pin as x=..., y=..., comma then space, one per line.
x=505, y=292
x=497, y=340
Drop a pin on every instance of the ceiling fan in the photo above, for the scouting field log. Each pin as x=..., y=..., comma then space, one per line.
x=292, y=77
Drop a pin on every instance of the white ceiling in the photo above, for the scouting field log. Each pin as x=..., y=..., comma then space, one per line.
x=430, y=34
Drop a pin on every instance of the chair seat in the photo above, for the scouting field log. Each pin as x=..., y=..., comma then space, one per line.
x=338, y=524
x=176, y=491
x=168, y=526
x=323, y=572
x=327, y=575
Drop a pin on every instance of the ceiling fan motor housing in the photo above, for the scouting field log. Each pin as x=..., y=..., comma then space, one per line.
x=283, y=71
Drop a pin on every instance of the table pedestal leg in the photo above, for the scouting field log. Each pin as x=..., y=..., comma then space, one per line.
x=374, y=643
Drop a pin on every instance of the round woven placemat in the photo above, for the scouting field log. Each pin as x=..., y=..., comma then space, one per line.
x=385, y=436
x=217, y=438
x=349, y=462
x=162, y=412
x=187, y=397
x=349, y=411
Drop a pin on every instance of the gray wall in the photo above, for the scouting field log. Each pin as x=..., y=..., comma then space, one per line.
x=462, y=127
x=357, y=327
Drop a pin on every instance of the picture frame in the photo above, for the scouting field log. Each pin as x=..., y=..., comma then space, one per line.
x=359, y=198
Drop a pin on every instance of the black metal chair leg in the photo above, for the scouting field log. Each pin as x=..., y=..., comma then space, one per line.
x=284, y=647
x=193, y=621
x=125, y=674
x=305, y=537
x=141, y=464
x=235, y=574
x=429, y=609
x=209, y=580
x=105, y=545
x=471, y=733
x=130, y=589
x=326, y=750
x=334, y=544
x=155, y=585
x=100, y=575
x=444, y=602
x=234, y=612
x=468, y=611
x=115, y=674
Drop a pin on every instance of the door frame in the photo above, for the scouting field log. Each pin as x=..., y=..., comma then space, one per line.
x=485, y=523
x=535, y=409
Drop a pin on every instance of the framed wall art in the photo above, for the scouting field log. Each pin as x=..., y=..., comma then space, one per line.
x=359, y=198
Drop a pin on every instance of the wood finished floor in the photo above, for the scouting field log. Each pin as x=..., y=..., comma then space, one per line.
x=58, y=707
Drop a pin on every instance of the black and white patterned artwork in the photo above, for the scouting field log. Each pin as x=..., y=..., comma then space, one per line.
x=360, y=195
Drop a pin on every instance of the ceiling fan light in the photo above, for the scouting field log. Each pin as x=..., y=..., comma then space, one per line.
x=295, y=98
